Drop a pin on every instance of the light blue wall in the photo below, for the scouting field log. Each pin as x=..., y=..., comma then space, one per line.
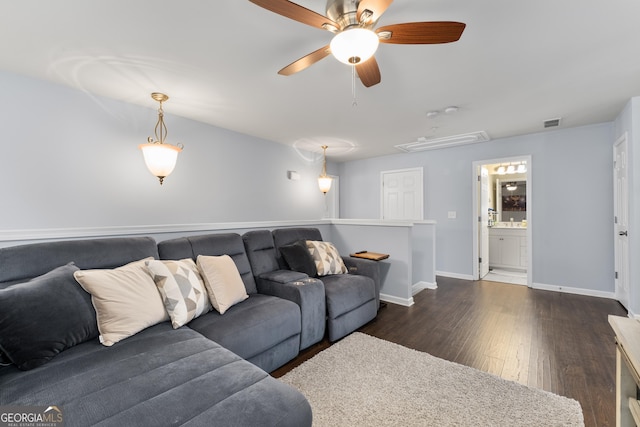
x=629, y=121
x=71, y=160
x=572, y=207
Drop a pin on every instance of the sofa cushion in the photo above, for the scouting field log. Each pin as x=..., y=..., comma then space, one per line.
x=182, y=289
x=214, y=245
x=326, y=257
x=223, y=281
x=253, y=327
x=44, y=316
x=126, y=300
x=159, y=376
x=346, y=292
x=298, y=258
x=17, y=262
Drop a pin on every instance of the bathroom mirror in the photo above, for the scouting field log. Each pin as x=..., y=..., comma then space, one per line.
x=511, y=199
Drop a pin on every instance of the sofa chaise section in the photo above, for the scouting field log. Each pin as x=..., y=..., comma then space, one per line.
x=159, y=376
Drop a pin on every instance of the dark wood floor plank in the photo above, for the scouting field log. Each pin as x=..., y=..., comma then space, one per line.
x=553, y=341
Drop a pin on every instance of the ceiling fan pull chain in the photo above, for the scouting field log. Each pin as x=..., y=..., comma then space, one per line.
x=353, y=86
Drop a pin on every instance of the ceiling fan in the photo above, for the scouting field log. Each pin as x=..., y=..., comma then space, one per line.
x=356, y=40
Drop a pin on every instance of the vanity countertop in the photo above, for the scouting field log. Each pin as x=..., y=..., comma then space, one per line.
x=516, y=226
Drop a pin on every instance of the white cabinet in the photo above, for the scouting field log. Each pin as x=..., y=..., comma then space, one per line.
x=508, y=248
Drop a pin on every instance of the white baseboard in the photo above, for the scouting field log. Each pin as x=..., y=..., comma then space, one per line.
x=396, y=300
x=417, y=287
x=454, y=275
x=577, y=291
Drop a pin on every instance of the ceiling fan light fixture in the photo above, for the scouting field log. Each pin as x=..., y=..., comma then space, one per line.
x=354, y=45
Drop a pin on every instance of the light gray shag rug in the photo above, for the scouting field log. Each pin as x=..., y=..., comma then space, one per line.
x=366, y=381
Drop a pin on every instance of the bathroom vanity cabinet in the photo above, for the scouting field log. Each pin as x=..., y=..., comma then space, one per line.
x=508, y=247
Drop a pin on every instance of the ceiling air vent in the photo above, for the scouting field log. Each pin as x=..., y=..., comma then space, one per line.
x=423, y=143
x=551, y=123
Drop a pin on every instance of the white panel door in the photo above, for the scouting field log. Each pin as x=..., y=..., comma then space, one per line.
x=483, y=217
x=621, y=223
x=402, y=196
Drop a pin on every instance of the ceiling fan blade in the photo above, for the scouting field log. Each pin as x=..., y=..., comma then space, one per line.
x=369, y=72
x=376, y=6
x=421, y=32
x=306, y=61
x=296, y=12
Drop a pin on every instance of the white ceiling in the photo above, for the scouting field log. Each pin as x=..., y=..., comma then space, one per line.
x=517, y=64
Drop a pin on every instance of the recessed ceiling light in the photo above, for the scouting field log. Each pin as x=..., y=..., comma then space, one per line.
x=432, y=114
x=451, y=110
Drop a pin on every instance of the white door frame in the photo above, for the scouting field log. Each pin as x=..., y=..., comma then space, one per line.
x=421, y=194
x=621, y=225
x=475, y=207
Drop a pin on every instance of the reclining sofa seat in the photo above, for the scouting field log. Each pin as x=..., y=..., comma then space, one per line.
x=262, y=329
x=160, y=375
x=307, y=292
x=352, y=299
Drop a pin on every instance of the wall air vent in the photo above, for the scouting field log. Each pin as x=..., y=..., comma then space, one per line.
x=551, y=123
x=423, y=144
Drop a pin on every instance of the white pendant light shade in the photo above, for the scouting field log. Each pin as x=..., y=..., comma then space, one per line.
x=354, y=46
x=522, y=168
x=511, y=169
x=324, y=182
x=160, y=158
x=501, y=170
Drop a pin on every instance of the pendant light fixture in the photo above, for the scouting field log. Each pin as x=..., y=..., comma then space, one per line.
x=159, y=156
x=511, y=186
x=324, y=181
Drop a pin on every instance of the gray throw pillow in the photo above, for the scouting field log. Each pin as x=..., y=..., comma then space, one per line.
x=44, y=316
x=298, y=258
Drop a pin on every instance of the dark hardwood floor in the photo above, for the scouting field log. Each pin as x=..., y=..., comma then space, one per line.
x=557, y=342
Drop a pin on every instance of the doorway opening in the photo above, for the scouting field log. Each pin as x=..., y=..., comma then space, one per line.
x=502, y=230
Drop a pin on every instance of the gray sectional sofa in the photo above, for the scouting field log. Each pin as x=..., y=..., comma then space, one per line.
x=212, y=371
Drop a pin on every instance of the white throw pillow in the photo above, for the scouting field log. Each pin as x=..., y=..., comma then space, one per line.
x=222, y=279
x=125, y=298
x=327, y=258
x=181, y=288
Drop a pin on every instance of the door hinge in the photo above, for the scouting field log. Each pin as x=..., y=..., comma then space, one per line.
x=616, y=274
x=480, y=260
x=479, y=218
x=478, y=178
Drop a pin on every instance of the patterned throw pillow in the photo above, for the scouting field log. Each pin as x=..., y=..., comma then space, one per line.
x=327, y=259
x=181, y=288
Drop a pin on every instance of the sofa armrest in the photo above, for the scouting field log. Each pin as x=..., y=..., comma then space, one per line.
x=283, y=276
x=365, y=267
x=305, y=291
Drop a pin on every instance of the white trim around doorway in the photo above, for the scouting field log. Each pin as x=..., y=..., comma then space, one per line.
x=476, y=165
